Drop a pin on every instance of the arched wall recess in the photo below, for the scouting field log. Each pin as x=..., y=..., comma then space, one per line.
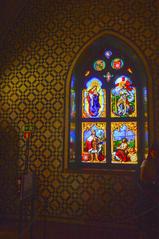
x=81, y=73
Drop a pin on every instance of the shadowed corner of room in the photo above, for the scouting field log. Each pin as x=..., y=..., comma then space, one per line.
x=8, y=171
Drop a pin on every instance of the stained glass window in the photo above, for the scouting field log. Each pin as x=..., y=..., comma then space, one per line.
x=108, y=105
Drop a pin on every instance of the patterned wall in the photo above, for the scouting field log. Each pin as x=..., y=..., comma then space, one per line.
x=35, y=60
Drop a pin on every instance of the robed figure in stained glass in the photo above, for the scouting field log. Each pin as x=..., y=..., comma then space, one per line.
x=93, y=142
x=94, y=147
x=93, y=101
x=93, y=98
x=122, y=151
x=124, y=142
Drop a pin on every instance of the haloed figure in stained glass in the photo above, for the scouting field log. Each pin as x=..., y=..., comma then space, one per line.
x=93, y=101
x=93, y=98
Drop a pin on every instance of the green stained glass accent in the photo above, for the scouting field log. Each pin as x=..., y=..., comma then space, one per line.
x=99, y=65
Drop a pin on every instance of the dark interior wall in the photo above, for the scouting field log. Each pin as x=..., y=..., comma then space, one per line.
x=9, y=11
x=36, y=56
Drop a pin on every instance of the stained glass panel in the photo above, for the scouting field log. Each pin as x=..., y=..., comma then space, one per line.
x=72, y=141
x=145, y=100
x=94, y=99
x=124, y=142
x=73, y=105
x=146, y=146
x=99, y=65
x=73, y=99
x=123, y=98
x=117, y=63
x=72, y=120
x=93, y=142
x=108, y=54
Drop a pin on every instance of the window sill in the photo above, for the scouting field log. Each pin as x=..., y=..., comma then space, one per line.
x=115, y=171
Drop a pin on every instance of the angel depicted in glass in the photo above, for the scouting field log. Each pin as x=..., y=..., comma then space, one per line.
x=123, y=98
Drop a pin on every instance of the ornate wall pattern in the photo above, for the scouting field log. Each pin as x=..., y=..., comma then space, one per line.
x=35, y=60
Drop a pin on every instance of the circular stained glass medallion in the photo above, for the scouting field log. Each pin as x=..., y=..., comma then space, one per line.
x=99, y=65
x=117, y=63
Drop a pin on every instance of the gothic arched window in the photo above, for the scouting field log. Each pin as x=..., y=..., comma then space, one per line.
x=108, y=123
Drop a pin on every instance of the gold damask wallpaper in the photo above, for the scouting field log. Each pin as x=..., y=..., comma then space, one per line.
x=35, y=60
